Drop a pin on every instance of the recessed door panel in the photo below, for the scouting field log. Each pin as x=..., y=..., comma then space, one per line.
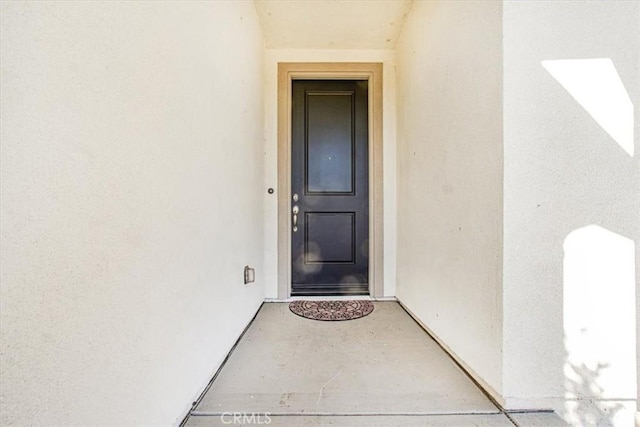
x=330, y=140
x=336, y=246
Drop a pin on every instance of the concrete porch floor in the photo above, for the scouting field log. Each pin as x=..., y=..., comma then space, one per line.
x=380, y=370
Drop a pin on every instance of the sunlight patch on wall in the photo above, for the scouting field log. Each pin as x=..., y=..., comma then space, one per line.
x=599, y=325
x=596, y=85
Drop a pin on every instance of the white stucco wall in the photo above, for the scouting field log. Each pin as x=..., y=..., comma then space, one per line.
x=449, y=98
x=131, y=187
x=567, y=178
x=272, y=58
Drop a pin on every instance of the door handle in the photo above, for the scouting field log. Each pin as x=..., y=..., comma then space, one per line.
x=295, y=217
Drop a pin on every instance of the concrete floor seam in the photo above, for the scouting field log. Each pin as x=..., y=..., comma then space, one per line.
x=350, y=414
x=224, y=362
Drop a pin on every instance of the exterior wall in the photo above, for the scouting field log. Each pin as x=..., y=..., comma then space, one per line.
x=272, y=58
x=131, y=162
x=133, y=193
x=571, y=196
x=450, y=155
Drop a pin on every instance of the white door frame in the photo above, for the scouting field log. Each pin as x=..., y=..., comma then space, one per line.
x=287, y=72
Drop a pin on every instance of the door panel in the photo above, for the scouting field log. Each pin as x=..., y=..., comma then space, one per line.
x=330, y=178
x=335, y=246
x=329, y=155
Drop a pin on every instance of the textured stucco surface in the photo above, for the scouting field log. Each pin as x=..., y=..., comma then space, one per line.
x=449, y=98
x=133, y=177
x=563, y=173
x=344, y=24
x=131, y=172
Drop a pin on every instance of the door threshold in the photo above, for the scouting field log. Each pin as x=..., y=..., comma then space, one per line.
x=329, y=291
x=332, y=298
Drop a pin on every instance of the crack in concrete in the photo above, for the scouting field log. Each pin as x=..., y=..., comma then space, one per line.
x=327, y=383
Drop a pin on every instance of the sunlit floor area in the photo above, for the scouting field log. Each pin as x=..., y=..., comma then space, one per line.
x=380, y=370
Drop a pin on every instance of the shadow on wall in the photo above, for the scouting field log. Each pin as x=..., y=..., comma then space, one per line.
x=600, y=328
x=599, y=283
x=583, y=381
x=596, y=85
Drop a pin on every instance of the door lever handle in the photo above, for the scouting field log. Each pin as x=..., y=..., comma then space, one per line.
x=295, y=218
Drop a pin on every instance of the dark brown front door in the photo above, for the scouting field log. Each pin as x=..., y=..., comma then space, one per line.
x=330, y=188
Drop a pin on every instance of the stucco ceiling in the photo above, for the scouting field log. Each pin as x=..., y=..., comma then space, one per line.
x=332, y=24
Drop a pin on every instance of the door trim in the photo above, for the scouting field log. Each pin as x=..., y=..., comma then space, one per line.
x=371, y=71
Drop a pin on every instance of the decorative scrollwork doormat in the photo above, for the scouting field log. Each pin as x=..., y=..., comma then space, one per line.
x=332, y=310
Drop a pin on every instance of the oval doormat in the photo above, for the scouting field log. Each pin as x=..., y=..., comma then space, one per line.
x=332, y=310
